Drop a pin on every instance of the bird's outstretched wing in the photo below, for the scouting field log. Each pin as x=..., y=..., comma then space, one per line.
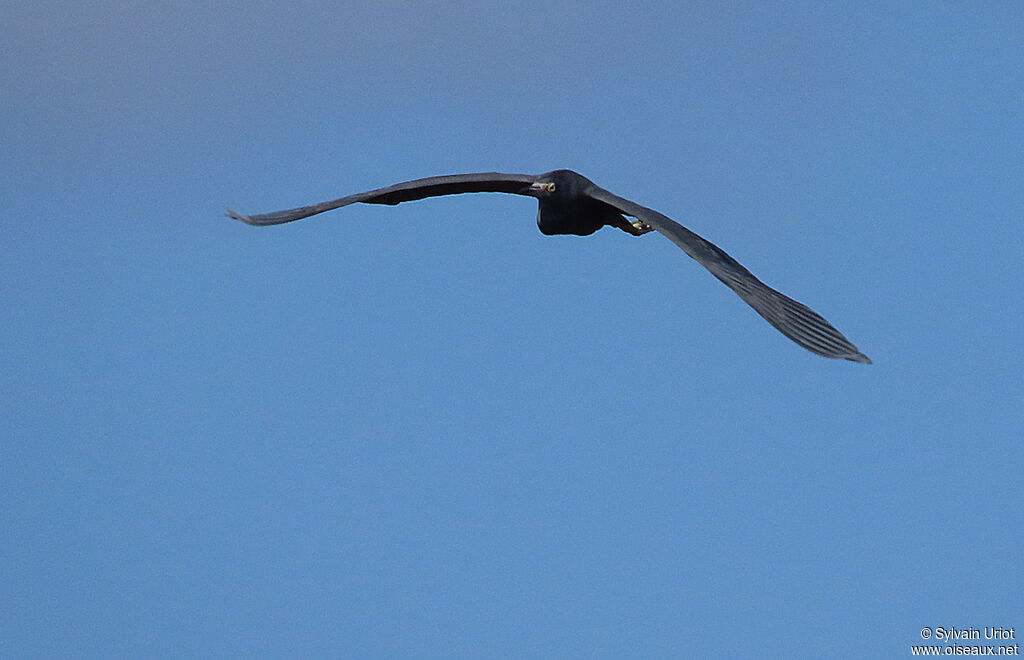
x=795, y=320
x=402, y=192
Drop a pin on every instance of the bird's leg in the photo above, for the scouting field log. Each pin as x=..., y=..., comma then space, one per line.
x=638, y=227
x=628, y=225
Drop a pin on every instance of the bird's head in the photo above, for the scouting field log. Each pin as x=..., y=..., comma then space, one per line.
x=564, y=184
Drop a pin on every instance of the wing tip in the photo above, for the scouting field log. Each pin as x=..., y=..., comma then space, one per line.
x=859, y=357
x=235, y=215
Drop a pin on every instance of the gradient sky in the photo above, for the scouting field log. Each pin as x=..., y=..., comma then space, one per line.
x=428, y=431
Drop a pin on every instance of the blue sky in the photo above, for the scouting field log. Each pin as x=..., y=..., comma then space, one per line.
x=430, y=431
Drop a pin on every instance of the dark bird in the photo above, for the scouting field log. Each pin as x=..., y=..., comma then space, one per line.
x=569, y=203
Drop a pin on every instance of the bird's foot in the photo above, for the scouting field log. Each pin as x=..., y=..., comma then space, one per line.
x=639, y=227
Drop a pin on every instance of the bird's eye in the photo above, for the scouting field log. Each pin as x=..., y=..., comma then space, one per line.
x=550, y=187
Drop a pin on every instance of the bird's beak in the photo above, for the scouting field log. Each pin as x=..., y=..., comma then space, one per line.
x=537, y=189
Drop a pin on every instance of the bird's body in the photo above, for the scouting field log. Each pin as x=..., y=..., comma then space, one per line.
x=569, y=203
x=579, y=217
x=571, y=210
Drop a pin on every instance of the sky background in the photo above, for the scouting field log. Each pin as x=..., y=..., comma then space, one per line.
x=429, y=431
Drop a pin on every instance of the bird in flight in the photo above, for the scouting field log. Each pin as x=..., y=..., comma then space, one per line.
x=569, y=203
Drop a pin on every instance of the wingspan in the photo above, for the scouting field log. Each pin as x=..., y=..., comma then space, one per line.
x=407, y=191
x=793, y=319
